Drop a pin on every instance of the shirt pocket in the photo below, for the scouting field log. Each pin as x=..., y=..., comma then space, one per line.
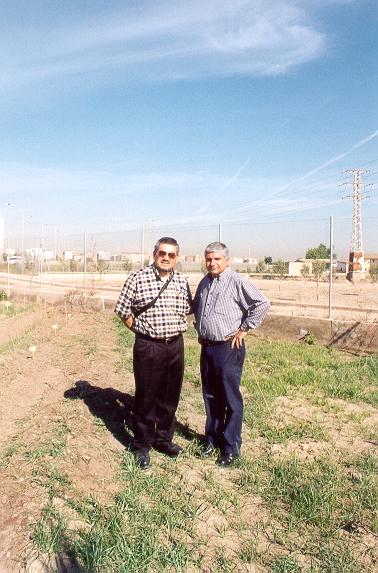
x=219, y=307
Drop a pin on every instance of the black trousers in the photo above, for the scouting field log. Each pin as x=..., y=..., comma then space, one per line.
x=158, y=372
x=221, y=371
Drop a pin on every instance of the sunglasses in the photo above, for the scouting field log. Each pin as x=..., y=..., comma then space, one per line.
x=171, y=256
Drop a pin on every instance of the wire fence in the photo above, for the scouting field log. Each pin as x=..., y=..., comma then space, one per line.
x=249, y=241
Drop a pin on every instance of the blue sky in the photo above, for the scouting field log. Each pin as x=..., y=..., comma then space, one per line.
x=182, y=115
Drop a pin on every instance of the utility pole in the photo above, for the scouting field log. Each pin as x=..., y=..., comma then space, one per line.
x=356, y=263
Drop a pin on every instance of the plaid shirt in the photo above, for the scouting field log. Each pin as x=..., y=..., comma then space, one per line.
x=167, y=317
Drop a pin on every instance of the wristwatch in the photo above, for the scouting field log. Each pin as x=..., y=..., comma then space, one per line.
x=244, y=328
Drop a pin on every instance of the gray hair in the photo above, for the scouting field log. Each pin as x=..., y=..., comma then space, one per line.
x=217, y=247
x=167, y=241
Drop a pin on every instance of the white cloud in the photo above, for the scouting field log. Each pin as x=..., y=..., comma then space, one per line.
x=157, y=39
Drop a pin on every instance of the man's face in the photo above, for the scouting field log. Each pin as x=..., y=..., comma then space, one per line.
x=216, y=263
x=165, y=257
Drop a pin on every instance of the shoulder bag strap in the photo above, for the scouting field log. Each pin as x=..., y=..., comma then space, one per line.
x=138, y=312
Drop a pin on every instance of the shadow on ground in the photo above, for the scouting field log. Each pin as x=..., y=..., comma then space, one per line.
x=115, y=409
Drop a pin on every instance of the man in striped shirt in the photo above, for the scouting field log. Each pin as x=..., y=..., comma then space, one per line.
x=226, y=306
x=158, y=353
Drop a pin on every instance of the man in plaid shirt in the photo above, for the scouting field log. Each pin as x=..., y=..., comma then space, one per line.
x=158, y=353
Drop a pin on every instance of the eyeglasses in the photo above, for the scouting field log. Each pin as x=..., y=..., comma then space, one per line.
x=171, y=256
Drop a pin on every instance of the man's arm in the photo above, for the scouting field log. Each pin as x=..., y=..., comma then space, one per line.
x=255, y=306
x=126, y=300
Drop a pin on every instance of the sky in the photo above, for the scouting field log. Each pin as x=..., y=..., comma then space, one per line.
x=194, y=118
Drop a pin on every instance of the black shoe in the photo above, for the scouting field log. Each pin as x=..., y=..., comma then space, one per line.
x=142, y=459
x=172, y=450
x=207, y=449
x=227, y=460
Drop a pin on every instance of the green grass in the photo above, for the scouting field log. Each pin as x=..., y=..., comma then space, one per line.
x=9, y=309
x=307, y=513
x=26, y=339
x=279, y=369
x=147, y=523
x=298, y=431
x=329, y=495
x=125, y=341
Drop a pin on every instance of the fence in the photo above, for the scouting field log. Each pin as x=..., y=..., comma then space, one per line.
x=287, y=240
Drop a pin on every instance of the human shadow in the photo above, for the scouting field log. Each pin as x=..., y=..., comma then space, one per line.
x=113, y=407
x=187, y=433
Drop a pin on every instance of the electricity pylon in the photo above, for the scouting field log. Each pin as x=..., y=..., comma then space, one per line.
x=356, y=263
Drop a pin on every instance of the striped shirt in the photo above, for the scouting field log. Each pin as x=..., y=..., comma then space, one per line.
x=227, y=303
x=167, y=317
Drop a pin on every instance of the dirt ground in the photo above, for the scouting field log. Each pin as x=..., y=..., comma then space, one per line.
x=71, y=349
x=32, y=394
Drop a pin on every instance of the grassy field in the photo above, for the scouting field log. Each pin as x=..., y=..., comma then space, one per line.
x=302, y=498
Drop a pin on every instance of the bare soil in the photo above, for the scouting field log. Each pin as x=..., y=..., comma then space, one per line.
x=79, y=356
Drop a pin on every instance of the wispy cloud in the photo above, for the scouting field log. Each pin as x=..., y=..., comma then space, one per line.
x=326, y=164
x=157, y=40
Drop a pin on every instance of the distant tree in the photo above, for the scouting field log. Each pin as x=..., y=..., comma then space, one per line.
x=268, y=260
x=319, y=252
x=318, y=270
x=305, y=271
x=101, y=267
x=373, y=272
x=280, y=268
x=73, y=266
x=261, y=267
x=126, y=265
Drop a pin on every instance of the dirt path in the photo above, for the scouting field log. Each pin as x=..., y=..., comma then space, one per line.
x=32, y=394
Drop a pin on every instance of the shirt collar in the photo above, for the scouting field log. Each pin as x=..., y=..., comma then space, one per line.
x=156, y=273
x=222, y=277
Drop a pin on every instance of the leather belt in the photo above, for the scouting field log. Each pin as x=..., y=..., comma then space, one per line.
x=213, y=342
x=167, y=340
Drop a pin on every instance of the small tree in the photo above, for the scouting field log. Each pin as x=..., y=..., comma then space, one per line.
x=261, y=267
x=73, y=266
x=101, y=267
x=305, y=271
x=268, y=260
x=318, y=269
x=127, y=265
x=373, y=272
x=279, y=268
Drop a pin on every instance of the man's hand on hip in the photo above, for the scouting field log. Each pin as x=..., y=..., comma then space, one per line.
x=128, y=322
x=237, y=339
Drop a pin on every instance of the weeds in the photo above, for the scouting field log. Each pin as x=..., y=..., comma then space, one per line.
x=276, y=509
x=9, y=309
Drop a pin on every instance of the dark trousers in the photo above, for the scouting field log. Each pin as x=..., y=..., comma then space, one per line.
x=221, y=370
x=158, y=372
